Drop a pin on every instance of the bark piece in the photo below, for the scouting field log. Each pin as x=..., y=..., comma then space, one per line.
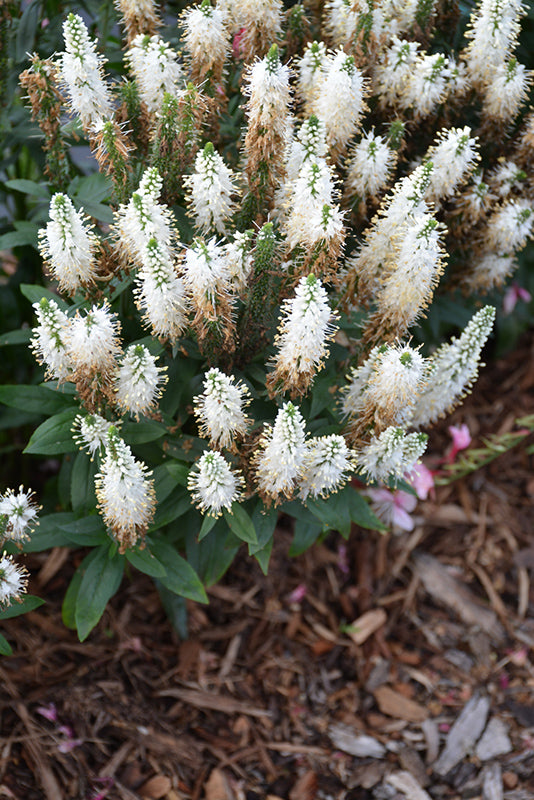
x=494, y=741
x=396, y=705
x=454, y=594
x=492, y=788
x=356, y=744
x=155, y=788
x=405, y=782
x=363, y=627
x=464, y=734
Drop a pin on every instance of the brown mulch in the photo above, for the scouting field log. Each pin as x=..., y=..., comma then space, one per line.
x=277, y=693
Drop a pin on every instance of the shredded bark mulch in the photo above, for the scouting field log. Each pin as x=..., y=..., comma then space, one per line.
x=394, y=666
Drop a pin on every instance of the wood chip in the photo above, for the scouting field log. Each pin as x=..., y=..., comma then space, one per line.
x=305, y=788
x=396, y=705
x=216, y=702
x=363, y=627
x=464, y=734
x=356, y=744
x=494, y=741
x=449, y=591
x=217, y=787
x=431, y=734
x=156, y=788
x=492, y=788
x=406, y=783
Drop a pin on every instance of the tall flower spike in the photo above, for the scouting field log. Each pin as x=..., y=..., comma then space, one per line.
x=207, y=278
x=340, y=100
x=308, y=222
x=256, y=24
x=138, y=383
x=13, y=580
x=138, y=16
x=156, y=69
x=210, y=191
x=310, y=72
x=306, y=328
x=454, y=157
x=220, y=409
x=455, y=368
x=428, y=84
x=394, y=70
x=493, y=31
x=50, y=338
x=371, y=164
x=280, y=458
x=93, y=349
x=390, y=455
x=160, y=293
x=269, y=125
x=143, y=218
x=326, y=466
x=91, y=433
x=68, y=246
x=125, y=493
x=81, y=73
x=395, y=377
x=206, y=39
x=214, y=485
x=408, y=284
x=506, y=90
x=18, y=515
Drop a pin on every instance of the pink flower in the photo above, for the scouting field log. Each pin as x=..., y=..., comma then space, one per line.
x=393, y=508
x=49, y=712
x=298, y=594
x=422, y=480
x=512, y=295
x=236, y=43
x=461, y=438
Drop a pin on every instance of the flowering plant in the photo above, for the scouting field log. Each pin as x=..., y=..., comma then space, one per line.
x=263, y=225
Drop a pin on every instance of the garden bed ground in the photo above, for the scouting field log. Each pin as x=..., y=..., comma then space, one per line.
x=430, y=695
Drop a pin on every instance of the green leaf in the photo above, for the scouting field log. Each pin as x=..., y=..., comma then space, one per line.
x=263, y=556
x=68, y=608
x=26, y=34
x=20, y=238
x=86, y=532
x=20, y=336
x=181, y=578
x=34, y=293
x=208, y=524
x=332, y=512
x=54, y=435
x=82, y=483
x=305, y=534
x=101, y=579
x=29, y=602
x=174, y=506
x=214, y=554
x=29, y=187
x=361, y=512
x=5, y=647
x=175, y=608
x=35, y=399
x=240, y=524
x=146, y=562
x=264, y=521
x=50, y=533
x=179, y=471
x=142, y=432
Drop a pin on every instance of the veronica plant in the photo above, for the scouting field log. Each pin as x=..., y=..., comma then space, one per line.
x=266, y=230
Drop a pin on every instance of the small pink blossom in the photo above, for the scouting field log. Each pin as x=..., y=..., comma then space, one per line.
x=298, y=594
x=237, y=50
x=461, y=438
x=393, y=508
x=342, y=562
x=422, y=480
x=49, y=712
x=512, y=295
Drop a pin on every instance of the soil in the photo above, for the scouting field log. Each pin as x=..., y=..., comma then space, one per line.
x=386, y=666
